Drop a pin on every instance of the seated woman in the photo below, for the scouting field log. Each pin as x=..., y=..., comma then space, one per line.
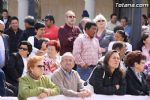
x=17, y=64
x=35, y=83
x=107, y=78
x=52, y=58
x=135, y=78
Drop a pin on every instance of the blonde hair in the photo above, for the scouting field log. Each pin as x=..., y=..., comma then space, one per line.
x=98, y=17
x=32, y=61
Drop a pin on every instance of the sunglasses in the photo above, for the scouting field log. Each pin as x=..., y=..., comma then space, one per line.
x=40, y=66
x=25, y=49
x=101, y=21
x=1, y=31
x=71, y=16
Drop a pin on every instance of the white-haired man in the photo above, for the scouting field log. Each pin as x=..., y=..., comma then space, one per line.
x=69, y=80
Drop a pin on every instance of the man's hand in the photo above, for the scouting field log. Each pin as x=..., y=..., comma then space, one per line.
x=84, y=93
x=84, y=65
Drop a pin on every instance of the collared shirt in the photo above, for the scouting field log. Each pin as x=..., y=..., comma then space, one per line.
x=67, y=74
x=111, y=26
x=5, y=20
x=86, y=50
x=2, y=52
x=127, y=29
x=25, y=66
x=67, y=35
x=51, y=33
x=137, y=74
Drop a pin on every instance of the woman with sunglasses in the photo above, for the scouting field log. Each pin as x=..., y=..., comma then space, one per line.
x=103, y=35
x=108, y=78
x=35, y=83
x=17, y=64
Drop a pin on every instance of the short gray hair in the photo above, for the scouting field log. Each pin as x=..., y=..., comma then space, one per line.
x=67, y=54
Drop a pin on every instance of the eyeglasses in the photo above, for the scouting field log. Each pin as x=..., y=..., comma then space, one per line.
x=40, y=66
x=1, y=31
x=71, y=16
x=101, y=21
x=21, y=48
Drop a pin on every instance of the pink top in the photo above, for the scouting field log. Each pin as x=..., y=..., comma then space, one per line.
x=86, y=50
x=51, y=64
x=146, y=53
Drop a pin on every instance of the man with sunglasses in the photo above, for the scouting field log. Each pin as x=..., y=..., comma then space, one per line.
x=68, y=33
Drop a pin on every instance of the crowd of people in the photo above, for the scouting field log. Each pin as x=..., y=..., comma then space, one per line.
x=45, y=60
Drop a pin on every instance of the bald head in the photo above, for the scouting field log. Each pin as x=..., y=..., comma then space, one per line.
x=69, y=12
x=70, y=18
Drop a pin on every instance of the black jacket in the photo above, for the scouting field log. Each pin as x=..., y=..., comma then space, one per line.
x=134, y=86
x=27, y=33
x=7, y=23
x=14, y=69
x=104, y=83
x=13, y=39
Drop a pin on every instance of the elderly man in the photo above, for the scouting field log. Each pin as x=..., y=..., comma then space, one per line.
x=69, y=80
x=86, y=51
x=68, y=33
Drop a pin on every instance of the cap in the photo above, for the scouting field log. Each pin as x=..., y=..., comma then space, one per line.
x=85, y=13
x=49, y=17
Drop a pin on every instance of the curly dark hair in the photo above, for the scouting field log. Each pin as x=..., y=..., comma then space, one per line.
x=132, y=57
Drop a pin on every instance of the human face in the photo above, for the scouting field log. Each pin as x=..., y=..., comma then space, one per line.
x=40, y=32
x=114, y=61
x=44, y=47
x=139, y=67
x=70, y=18
x=26, y=25
x=2, y=27
x=118, y=37
x=67, y=63
x=48, y=22
x=5, y=14
x=52, y=51
x=123, y=22
x=91, y=31
x=147, y=41
x=114, y=19
x=101, y=23
x=14, y=24
x=38, y=69
x=23, y=50
x=122, y=51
